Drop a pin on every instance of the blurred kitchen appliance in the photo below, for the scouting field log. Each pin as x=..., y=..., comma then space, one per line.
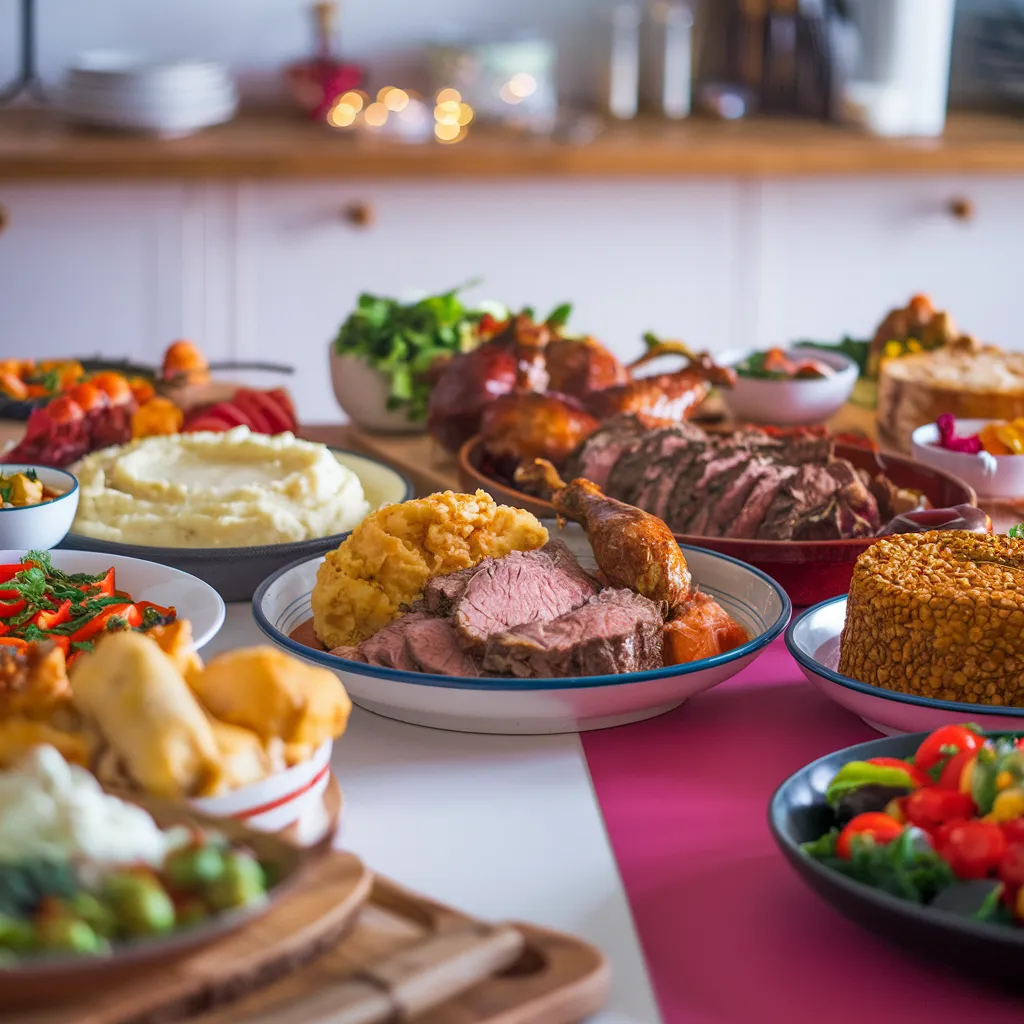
x=667, y=65
x=317, y=83
x=903, y=82
x=509, y=82
x=169, y=99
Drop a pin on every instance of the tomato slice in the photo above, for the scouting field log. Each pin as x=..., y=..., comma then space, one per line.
x=47, y=620
x=880, y=827
x=918, y=777
x=943, y=743
x=973, y=849
x=932, y=807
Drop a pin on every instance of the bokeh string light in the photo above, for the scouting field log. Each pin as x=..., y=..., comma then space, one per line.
x=452, y=115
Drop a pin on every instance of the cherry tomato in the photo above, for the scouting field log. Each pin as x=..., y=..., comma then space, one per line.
x=954, y=769
x=936, y=747
x=880, y=827
x=973, y=849
x=1014, y=830
x=929, y=808
x=1011, y=866
x=918, y=777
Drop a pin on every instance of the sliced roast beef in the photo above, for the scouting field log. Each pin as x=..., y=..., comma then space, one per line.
x=748, y=522
x=433, y=645
x=595, y=458
x=524, y=586
x=733, y=498
x=387, y=646
x=615, y=631
x=808, y=489
x=441, y=592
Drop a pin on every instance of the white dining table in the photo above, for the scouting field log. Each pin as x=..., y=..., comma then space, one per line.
x=502, y=827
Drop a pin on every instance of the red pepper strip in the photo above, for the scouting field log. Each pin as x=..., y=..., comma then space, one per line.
x=8, y=572
x=103, y=587
x=12, y=641
x=167, y=613
x=7, y=610
x=48, y=620
x=63, y=642
x=128, y=612
x=70, y=659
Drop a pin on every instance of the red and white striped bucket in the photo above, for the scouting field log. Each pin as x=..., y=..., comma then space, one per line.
x=278, y=801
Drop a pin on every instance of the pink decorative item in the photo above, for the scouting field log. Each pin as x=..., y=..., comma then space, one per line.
x=948, y=439
x=315, y=84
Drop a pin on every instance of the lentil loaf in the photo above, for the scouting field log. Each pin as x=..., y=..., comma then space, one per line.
x=939, y=615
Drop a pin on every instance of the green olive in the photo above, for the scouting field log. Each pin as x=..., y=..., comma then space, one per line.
x=241, y=883
x=67, y=932
x=97, y=915
x=17, y=934
x=140, y=904
x=194, y=867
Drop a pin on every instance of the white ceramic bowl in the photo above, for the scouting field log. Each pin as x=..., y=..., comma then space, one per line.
x=791, y=402
x=994, y=476
x=277, y=802
x=537, y=706
x=39, y=527
x=362, y=392
x=147, y=581
x=813, y=640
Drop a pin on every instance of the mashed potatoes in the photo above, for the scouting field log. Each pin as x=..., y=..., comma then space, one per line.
x=389, y=557
x=207, y=490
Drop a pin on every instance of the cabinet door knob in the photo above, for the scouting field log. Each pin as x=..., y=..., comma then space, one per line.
x=5, y=218
x=961, y=208
x=359, y=215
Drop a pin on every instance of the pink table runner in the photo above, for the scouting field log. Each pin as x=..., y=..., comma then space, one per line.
x=731, y=934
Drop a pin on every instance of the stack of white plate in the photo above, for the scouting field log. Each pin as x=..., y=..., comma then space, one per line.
x=165, y=98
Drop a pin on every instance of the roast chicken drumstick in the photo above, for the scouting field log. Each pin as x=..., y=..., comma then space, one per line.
x=633, y=548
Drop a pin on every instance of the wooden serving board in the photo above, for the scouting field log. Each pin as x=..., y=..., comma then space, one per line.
x=346, y=948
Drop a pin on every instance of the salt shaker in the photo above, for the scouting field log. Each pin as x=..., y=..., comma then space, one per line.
x=624, y=62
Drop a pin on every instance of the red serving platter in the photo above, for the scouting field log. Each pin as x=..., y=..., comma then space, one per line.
x=809, y=571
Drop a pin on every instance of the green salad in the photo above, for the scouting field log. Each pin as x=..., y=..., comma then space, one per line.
x=404, y=340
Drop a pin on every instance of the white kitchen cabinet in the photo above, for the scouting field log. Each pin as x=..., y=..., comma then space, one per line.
x=631, y=256
x=834, y=255
x=100, y=269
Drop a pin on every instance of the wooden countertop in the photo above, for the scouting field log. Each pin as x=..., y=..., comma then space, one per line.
x=36, y=145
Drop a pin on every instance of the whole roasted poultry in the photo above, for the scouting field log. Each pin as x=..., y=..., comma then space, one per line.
x=532, y=392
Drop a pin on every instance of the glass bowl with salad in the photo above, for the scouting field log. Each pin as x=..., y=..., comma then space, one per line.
x=919, y=838
x=387, y=350
x=789, y=387
x=37, y=506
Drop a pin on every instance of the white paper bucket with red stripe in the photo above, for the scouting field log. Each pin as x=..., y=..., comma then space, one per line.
x=278, y=801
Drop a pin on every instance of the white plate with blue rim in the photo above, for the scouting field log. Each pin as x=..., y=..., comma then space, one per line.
x=505, y=705
x=191, y=598
x=813, y=640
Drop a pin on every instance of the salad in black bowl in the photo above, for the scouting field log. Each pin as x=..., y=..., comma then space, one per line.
x=920, y=838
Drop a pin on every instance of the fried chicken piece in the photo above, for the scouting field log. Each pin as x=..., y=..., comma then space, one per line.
x=33, y=680
x=19, y=735
x=524, y=426
x=701, y=628
x=633, y=548
x=176, y=641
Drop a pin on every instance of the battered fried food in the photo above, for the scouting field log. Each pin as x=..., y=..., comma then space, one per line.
x=33, y=680
x=383, y=565
x=19, y=735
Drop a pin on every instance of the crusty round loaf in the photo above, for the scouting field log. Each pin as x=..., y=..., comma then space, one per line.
x=979, y=382
x=939, y=615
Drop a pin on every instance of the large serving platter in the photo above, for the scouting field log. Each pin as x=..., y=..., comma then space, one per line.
x=164, y=585
x=813, y=640
x=537, y=706
x=799, y=813
x=809, y=571
x=235, y=573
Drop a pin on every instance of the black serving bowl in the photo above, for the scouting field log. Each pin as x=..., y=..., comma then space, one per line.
x=798, y=813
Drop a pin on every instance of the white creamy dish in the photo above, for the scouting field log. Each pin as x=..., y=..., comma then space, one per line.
x=231, y=489
x=52, y=810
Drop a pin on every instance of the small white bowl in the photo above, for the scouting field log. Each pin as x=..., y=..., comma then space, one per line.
x=278, y=801
x=791, y=403
x=991, y=476
x=362, y=392
x=40, y=527
x=813, y=640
